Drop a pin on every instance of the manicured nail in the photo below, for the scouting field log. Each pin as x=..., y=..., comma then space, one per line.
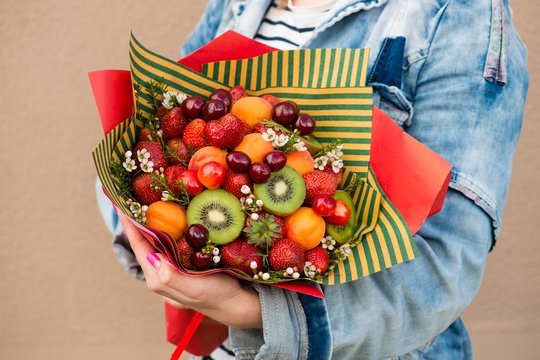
x=154, y=260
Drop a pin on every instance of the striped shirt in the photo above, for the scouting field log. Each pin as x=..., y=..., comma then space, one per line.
x=291, y=27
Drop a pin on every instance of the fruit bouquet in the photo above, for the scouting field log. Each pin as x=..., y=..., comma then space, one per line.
x=272, y=166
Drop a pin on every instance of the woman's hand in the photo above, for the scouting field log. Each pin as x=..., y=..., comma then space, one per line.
x=218, y=296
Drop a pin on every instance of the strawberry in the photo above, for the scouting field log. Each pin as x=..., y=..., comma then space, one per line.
x=184, y=253
x=285, y=254
x=173, y=124
x=171, y=173
x=318, y=182
x=161, y=111
x=265, y=231
x=239, y=255
x=238, y=92
x=271, y=99
x=177, y=152
x=143, y=192
x=337, y=176
x=145, y=135
x=194, y=134
x=234, y=182
x=319, y=258
x=157, y=156
x=225, y=133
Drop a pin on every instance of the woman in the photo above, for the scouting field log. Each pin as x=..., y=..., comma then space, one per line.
x=452, y=73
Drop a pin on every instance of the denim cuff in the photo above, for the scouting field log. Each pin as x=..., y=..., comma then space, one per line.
x=284, y=334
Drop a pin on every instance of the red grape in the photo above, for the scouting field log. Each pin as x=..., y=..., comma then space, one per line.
x=259, y=172
x=238, y=161
x=276, y=160
x=305, y=124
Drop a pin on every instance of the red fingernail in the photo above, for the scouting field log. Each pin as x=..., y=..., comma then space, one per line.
x=154, y=260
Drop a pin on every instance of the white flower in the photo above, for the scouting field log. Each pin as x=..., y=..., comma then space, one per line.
x=300, y=145
x=266, y=276
x=309, y=269
x=249, y=201
x=254, y=216
x=253, y=265
x=331, y=155
x=143, y=155
x=216, y=259
x=147, y=166
x=259, y=202
x=144, y=208
x=295, y=275
x=269, y=135
x=165, y=196
x=129, y=165
x=245, y=189
x=135, y=208
x=337, y=165
x=180, y=97
x=280, y=140
x=328, y=243
x=321, y=162
x=290, y=270
x=215, y=251
x=344, y=251
x=167, y=97
x=339, y=147
x=128, y=154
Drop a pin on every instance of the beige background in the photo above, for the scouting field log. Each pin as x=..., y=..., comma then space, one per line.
x=62, y=292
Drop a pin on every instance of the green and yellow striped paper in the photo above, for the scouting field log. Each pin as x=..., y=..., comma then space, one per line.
x=326, y=83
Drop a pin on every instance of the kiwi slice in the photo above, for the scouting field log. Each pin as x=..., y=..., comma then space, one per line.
x=343, y=233
x=283, y=193
x=218, y=211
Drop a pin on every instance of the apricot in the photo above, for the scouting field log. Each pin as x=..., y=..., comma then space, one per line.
x=168, y=217
x=206, y=154
x=255, y=147
x=252, y=110
x=305, y=227
x=301, y=161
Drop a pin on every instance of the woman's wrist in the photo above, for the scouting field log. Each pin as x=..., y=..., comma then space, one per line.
x=243, y=311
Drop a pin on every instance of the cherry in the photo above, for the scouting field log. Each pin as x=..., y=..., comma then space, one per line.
x=341, y=214
x=324, y=205
x=192, y=107
x=224, y=96
x=196, y=236
x=259, y=172
x=285, y=112
x=276, y=160
x=200, y=260
x=238, y=161
x=213, y=109
x=305, y=124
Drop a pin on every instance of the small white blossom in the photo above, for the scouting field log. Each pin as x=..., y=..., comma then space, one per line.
x=332, y=155
x=135, y=208
x=259, y=202
x=295, y=275
x=215, y=251
x=143, y=155
x=321, y=162
x=253, y=265
x=249, y=201
x=309, y=269
x=147, y=166
x=165, y=196
x=255, y=216
x=339, y=147
x=216, y=259
x=129, y=165
x=245, y=189
x=167, y=100
x=180, y=97
x=300, y=145
x=128, y=154
x=328, y=243
x=269, y=135
x=337, y=165
x=145, y=208
x=290, y=270
x=280, y=140
x=266, y=276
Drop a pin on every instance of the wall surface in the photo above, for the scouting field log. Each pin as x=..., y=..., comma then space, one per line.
x=63, y=294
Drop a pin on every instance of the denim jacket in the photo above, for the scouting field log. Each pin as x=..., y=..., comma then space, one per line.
x=451, y=73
